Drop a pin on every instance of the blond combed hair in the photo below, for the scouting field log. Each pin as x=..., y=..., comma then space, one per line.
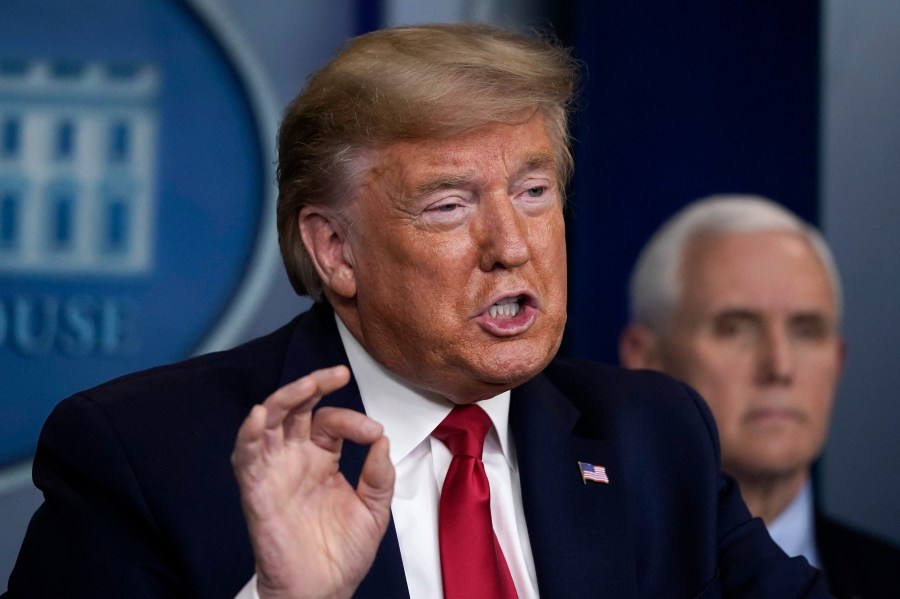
x=408, y=83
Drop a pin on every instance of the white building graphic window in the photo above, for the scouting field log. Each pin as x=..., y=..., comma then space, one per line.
x=64, y=140
x=9, y=137
x=10, y=211
x=62, y=199
x=118, y=142
x=77, y=167
x=118, y=200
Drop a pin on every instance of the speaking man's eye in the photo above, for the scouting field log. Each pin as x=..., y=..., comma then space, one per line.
x=447, y=211
x=537, y=191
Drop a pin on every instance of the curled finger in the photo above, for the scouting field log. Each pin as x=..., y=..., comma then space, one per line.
x=288, y=409
x=330, y=426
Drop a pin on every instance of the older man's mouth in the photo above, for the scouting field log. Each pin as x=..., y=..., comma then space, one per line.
x=773, y=416
x=508, y=316
x=505, y=308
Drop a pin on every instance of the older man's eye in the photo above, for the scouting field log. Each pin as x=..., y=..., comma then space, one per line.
x=444, y=208
x=536, y=191
x=447, y=213
x=731, y=327
x=811, y=328
x=726, y=329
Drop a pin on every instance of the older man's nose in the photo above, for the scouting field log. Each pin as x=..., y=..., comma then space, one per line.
x=503, y=236
x=776, y=358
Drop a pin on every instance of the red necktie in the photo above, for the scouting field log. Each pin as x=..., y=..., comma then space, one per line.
x=472, y=562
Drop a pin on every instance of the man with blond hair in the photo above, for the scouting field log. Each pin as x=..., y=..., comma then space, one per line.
x=742, y=300
x=421, y=176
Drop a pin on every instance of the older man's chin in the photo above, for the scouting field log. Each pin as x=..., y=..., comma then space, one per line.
x=510, y=370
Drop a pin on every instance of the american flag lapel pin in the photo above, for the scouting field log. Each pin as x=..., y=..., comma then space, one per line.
x=595, y=474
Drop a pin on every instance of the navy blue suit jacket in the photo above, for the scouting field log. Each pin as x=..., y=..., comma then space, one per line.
x=141, y=501
x=857, y=564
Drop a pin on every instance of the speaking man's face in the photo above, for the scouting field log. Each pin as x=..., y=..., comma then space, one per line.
x=756, y=334
x=457, y=248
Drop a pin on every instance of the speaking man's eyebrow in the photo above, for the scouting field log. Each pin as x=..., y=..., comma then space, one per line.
x=532, y=162
x=538, y=161
x=439, y=183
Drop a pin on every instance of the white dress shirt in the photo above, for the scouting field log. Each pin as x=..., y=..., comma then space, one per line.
x=794, y=530
x=409, y=416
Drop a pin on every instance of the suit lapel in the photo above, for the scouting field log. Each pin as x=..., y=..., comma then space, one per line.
x=317, y=344
x=578, y=532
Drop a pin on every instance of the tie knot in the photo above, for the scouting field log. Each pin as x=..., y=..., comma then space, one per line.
x=463, y=430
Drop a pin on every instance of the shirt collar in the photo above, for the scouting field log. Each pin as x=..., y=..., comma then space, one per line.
x=409, y=414
x=794, y=528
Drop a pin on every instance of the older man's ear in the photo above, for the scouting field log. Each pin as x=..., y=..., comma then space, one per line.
x=324, y=235
x=639, y=348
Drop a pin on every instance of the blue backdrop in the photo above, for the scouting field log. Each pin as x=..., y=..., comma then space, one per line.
x=680, y=100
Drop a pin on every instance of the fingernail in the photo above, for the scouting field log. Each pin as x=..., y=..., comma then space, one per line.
x=373, y=428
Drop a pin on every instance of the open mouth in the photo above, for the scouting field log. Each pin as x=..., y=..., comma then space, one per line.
x=506, y=308
x=510, y=316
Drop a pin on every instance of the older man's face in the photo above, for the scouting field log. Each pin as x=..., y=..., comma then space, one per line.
x=756, y=334
x=459, y=260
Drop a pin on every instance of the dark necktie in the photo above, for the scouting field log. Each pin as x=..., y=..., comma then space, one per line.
x=472, y=562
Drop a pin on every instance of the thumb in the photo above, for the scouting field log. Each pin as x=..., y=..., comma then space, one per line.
x=376, y=482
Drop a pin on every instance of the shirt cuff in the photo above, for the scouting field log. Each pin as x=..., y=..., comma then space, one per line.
x=249, y=590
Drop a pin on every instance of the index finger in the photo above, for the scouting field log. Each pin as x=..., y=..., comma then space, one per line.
x=299, y=397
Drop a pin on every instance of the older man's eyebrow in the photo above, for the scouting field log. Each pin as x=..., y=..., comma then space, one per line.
x=538, y=161
x=732, y=314
x=812, y=318
x=440, y=183
x=532, y=162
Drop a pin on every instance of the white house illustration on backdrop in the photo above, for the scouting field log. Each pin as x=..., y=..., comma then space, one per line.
x=77, y=167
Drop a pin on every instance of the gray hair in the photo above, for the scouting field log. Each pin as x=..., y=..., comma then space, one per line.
x=655, y=285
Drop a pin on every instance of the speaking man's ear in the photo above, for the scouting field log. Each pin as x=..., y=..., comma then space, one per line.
x=324, y=235
x=639, y=348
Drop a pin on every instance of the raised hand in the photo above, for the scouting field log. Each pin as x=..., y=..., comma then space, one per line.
x=313, y=534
